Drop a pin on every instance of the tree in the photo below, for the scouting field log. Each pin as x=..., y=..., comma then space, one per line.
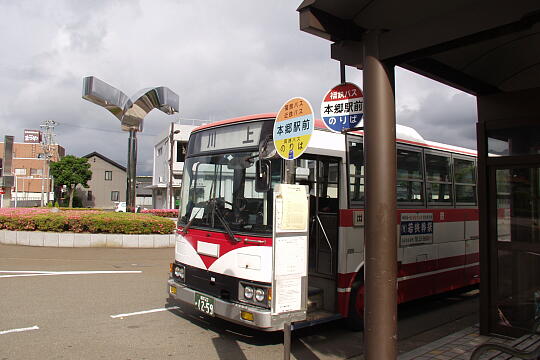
x=71, y=171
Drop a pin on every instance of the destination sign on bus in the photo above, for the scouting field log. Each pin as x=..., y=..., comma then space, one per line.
x=416, y=229
x=228, y=137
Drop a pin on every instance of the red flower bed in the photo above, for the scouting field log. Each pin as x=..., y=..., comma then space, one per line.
x=168, y=213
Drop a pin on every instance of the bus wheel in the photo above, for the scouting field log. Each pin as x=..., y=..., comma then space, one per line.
x=355, y=320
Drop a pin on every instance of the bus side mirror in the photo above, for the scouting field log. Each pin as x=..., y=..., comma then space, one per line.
x=262, y=175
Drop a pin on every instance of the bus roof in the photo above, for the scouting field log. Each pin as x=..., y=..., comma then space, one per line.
x=404, y=134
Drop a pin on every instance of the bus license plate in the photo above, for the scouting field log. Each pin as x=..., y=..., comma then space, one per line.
x=204, y=304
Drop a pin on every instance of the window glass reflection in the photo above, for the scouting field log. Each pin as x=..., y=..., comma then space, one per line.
x=518, y=253
x=523, y=140
x=518, y=297
x=356, y=173
x=518, y=205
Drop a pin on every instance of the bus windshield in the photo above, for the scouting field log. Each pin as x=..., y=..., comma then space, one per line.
x=218, y=191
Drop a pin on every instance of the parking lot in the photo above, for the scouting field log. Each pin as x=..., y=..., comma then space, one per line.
x=92, y=303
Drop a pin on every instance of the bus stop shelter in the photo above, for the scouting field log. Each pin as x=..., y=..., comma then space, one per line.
x=490, y=49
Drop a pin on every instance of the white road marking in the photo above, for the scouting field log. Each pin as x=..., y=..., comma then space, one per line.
x=25, y=272
x=35, y=327
x=55, y=273
x=144, y=312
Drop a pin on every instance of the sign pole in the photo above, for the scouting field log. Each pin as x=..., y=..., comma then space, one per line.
x=292, y=131
x=287, y=340
x=290, y=172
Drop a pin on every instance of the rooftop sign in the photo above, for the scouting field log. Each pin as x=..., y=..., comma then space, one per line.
x=32, y=136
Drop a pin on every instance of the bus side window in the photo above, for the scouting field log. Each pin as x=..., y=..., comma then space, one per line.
x=410, y=187
x=356, y=173
x=438, y=179
x=465, y=181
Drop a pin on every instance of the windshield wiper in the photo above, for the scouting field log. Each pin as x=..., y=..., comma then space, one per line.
x=222, y=220
x=213, y=203
x=188, y=225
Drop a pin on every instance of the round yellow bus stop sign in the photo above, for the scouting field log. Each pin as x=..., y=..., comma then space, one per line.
x=293, y=128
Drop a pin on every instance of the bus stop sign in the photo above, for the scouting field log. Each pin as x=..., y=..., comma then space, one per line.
x=342, y=107
x=293, y=128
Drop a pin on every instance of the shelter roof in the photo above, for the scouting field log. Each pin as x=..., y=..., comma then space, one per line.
x=481, y=47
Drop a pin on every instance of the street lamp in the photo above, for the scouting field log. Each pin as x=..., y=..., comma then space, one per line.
x=131, y=113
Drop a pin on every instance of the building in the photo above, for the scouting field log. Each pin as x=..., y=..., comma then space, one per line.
x=144, y=192
x=169, y=165
x=31, y=173
x=108, y=183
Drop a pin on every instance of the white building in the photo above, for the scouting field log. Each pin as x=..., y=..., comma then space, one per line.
x=169, y=165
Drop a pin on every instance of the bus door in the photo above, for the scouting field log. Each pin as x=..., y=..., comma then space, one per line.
x=321, y=174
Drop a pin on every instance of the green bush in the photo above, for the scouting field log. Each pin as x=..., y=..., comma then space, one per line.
x=87, y=221
x=52, y=222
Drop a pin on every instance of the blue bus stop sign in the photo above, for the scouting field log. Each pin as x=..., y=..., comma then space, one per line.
x=343, y=107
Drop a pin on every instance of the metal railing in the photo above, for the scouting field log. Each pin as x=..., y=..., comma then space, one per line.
x=525, y=355
x=327, y=242
x=509, y=350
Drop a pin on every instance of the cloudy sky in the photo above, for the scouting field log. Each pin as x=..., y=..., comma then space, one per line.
x=223, y=58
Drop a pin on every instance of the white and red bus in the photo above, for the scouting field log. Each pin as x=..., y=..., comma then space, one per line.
x=223, y=254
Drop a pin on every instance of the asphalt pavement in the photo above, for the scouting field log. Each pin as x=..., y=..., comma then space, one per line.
x=99, y=303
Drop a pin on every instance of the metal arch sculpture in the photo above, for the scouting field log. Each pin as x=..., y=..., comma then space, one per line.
x=131, y=113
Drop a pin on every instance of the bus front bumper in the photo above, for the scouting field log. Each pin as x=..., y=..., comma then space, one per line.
x=262, y=319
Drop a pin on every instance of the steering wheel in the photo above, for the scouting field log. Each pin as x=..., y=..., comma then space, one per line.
x=223, y=202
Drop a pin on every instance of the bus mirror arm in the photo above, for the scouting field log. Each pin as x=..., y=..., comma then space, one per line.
x=267, y=150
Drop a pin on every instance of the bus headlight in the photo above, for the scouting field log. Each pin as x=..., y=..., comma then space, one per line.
x=259, y=295
x=248, y=292
x=179, y=272
x=255, y=294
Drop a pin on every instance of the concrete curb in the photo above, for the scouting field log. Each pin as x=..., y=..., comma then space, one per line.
x=76, y=240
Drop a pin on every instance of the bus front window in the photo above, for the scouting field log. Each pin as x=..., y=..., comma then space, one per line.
x=221, y=188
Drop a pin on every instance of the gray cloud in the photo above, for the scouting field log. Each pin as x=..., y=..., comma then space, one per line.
x=224, y=59
x=441, y=114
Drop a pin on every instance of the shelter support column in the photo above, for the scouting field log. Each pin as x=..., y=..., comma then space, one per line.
x=380, y=315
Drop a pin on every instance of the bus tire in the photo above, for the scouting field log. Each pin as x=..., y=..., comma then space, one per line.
x=355, y=320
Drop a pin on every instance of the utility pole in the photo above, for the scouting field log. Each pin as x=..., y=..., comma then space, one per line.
x=47, y=144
